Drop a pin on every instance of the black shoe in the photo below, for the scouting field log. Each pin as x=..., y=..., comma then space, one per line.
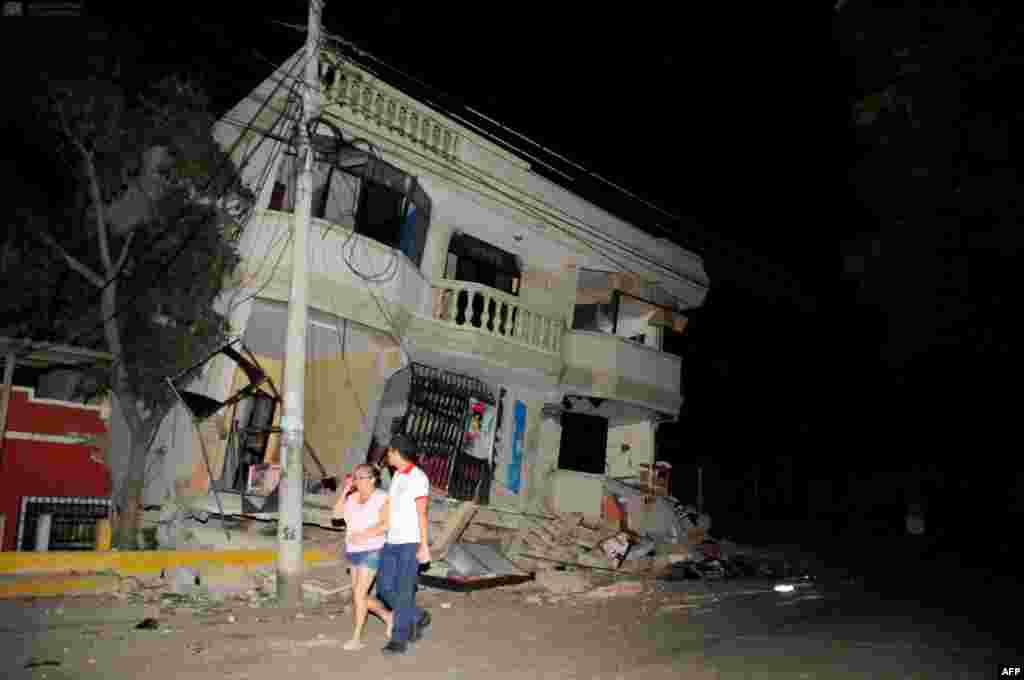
x=419, y=628
x=395, y=647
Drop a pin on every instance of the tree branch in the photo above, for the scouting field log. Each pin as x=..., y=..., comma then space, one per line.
x=101, y=218
x=73, y=262
x=124, y=254
x=94, y=192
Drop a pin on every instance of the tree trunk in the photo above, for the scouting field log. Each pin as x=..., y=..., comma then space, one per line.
x=130, y=496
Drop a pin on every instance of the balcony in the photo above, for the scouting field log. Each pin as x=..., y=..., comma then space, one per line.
x=611, y=367
x=361, y=100
x=489, y=329
x=481, y=309
x=350, y=275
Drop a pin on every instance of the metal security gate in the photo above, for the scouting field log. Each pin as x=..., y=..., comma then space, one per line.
x=437, y=419
x=74, y=521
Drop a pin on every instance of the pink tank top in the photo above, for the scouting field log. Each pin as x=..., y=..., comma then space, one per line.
x=362, y=516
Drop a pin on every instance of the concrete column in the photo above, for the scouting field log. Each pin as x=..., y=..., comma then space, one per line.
x=104, y=535
x=435, y=251
x=43, y=524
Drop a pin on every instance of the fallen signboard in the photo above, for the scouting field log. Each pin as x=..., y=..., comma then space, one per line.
x=461, y=584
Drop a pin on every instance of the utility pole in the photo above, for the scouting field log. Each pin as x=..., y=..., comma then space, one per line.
x=290, y=563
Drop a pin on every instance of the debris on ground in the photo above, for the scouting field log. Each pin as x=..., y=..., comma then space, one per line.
x=563, y=582
x=148, y=624
x=617, y=589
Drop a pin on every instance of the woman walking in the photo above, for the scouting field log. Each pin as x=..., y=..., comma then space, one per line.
x=364, y=509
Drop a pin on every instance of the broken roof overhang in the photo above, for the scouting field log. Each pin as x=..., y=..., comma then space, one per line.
x=202, y=406
x=42, y=354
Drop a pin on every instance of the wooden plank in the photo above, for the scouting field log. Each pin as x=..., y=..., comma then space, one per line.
x=569, y=564
x=454, y=525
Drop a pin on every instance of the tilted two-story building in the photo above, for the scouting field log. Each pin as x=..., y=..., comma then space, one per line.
x=513, y=329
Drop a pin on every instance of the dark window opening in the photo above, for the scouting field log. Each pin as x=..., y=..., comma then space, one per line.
x=584, y=445
x=385, y=203
x=596, y=317
x=381, y=214
x=673, y=342
x=470, y=259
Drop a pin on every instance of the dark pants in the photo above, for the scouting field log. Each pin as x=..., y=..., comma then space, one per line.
x=396, y=586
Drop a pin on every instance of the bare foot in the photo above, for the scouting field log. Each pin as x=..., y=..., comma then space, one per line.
x=353, y=645
x=391, y=624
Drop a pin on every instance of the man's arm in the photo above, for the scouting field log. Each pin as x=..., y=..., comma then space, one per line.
x=423, y=553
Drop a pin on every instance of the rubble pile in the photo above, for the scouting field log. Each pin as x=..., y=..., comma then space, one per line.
x=569, y=541
x=563, y=538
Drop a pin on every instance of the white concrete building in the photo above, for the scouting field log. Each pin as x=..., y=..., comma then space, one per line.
x=444, y=273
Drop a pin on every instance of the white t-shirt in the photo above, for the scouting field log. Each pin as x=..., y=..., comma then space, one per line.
x=406, y=487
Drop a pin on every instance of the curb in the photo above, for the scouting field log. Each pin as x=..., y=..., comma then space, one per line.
x=136, y=562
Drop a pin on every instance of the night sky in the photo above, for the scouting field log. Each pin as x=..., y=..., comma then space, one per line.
x=860, y=317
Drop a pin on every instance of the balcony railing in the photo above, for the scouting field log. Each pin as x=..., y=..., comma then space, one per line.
x=474, y=306
x=390, y=112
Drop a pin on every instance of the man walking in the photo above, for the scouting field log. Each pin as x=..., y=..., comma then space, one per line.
x=408, y=545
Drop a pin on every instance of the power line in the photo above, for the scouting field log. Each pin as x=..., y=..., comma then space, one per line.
x=673, y=234
x=558, y=213
x=361, y=52
x=595, y=231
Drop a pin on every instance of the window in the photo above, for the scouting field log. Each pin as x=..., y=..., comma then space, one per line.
x=612, y=303
x=335, y=194
x=470, y=259
x=381, y=214
x=354, y=188
x=584, y=445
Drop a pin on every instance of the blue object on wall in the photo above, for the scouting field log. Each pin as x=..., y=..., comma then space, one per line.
x=407, y=235
x=515, y=465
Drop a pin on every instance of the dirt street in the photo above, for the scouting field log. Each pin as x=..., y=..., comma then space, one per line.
x=710, y=630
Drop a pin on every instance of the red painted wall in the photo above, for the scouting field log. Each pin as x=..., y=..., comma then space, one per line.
x=47, y=468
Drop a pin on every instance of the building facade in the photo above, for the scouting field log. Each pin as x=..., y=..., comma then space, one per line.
x=512, y=328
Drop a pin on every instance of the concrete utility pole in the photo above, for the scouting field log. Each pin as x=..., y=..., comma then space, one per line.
x=290, y=563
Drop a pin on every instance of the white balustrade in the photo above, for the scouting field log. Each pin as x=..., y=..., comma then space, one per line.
x=377, y=105
x=471, y=305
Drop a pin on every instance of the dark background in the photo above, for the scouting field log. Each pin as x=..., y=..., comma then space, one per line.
x=854, y=353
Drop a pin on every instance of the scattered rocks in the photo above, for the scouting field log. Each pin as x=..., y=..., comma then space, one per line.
x=148, y=624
